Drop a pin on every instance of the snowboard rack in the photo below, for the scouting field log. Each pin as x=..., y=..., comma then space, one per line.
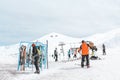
x=25, y=60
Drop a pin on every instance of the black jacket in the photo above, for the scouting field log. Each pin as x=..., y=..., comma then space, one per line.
x=34, y=51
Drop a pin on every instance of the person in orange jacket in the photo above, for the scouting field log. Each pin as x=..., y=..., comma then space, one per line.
x=84, y=48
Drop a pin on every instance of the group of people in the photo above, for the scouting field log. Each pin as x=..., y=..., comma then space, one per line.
x=84, y=50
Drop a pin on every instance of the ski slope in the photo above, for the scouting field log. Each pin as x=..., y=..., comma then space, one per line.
x=105, y=69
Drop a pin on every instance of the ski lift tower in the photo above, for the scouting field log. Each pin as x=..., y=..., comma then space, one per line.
x=62, y=44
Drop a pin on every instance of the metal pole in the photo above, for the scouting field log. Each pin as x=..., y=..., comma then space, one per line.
x=47, y=52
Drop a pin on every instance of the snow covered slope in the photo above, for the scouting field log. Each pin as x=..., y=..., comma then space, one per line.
x=111, y=38
x=9, y=54
x=58, y=38
x=105, y=69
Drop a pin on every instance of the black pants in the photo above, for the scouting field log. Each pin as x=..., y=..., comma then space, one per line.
x=83, y=59
x=104, y=52
x=69, y=56
x=36, y=63
x=56, y=57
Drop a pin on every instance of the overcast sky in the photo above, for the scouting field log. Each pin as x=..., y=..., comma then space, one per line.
x=26, y=20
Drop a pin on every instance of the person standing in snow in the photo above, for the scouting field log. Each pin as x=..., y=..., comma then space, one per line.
x=104, y=52
x=56, y=54
x=75, y=52
x=69, y=54
x=85, y=53
x=36, y=58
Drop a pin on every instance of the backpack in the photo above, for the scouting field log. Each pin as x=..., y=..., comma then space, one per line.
x=39, y=52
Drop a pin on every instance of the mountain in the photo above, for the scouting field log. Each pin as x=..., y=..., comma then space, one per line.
x=110, y=38
x=56, y=37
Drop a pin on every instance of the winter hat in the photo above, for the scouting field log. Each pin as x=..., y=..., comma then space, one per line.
x=33, y=45
x=83, y=41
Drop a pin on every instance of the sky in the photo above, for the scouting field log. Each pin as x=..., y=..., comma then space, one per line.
x=27, y=20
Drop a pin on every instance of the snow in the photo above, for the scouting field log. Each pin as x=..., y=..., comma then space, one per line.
x=105, y=69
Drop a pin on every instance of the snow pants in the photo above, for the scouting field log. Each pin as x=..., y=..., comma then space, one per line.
x=56, y=57
x=83, y=60
x=104, y=52
x=36, y=63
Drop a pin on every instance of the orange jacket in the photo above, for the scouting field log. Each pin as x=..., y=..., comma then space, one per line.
x=85, y=48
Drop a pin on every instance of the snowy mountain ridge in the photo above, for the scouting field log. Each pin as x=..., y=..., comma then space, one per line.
x=56, y=37
x=110, y=38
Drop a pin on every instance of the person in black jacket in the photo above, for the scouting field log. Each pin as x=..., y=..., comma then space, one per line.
x=56, y=54
x=36, y=58
x=104, y=52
